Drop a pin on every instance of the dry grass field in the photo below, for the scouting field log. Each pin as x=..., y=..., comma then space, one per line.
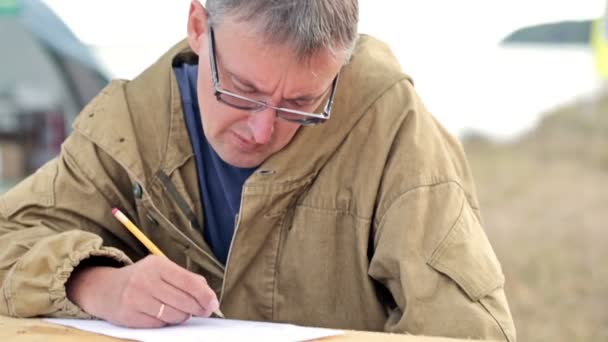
x=544, y=201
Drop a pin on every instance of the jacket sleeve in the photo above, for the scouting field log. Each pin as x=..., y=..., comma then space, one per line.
x=432, y=254
x=53, y=220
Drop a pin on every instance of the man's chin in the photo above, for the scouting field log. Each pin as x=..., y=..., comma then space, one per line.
x=244, y=160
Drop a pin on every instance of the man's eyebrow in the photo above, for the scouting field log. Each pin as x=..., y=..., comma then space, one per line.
x=256, y=89
x=247, y=83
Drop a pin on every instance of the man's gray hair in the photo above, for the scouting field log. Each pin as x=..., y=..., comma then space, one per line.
x=307, y=25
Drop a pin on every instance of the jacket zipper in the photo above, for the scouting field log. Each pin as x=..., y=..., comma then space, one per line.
x=236, y=229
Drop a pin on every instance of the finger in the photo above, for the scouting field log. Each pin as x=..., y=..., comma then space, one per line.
x=170, y=295
x=183, y=289
x=192, y=284
x=163, y=312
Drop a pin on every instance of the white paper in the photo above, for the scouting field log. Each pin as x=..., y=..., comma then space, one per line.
x=205, y=329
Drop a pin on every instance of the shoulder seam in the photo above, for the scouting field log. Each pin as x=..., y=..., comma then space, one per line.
x=379, y=220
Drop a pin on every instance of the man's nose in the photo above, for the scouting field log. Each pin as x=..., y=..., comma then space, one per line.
x=262, y=125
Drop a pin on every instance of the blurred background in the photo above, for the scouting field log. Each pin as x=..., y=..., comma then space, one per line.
x=522, y=83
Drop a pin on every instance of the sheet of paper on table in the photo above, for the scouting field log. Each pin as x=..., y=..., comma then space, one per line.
x=205, y=329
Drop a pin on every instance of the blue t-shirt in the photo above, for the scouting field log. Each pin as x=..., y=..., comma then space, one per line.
x=220, y=184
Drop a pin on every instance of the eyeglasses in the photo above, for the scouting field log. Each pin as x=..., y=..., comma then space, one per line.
x=244, y=103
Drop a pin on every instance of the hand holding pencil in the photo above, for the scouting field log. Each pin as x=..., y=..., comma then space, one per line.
x=153, y=292
x=145, y=241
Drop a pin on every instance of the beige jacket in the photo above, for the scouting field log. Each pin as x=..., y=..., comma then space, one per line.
x=367, y=222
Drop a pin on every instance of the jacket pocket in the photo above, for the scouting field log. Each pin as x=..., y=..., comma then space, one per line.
x=466, y=256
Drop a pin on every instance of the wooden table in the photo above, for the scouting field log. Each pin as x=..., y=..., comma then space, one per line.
x=36, y=330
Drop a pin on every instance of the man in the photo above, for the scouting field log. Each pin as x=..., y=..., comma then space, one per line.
x=285, y=181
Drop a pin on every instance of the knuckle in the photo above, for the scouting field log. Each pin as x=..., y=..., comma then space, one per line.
x=202, y=279
x=190, y=305
x=197, y=309
x=200, y=312
x=205, y=299
x=173, y=316
x=199, y=287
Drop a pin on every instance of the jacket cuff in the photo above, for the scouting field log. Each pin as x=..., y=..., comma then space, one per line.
x=57, y=292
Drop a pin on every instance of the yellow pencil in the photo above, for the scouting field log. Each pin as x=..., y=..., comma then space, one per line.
x=144, y=239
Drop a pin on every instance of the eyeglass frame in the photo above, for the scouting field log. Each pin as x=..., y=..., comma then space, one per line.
x=310, y=118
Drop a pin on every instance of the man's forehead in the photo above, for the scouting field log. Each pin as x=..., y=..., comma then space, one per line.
x=262, y=63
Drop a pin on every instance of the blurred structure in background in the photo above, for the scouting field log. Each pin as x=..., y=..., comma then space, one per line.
x=46, y=76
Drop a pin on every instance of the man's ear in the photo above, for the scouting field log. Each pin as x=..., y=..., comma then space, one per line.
x=197, y=25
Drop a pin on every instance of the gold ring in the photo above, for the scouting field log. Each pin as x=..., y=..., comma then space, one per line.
x=160, y=311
